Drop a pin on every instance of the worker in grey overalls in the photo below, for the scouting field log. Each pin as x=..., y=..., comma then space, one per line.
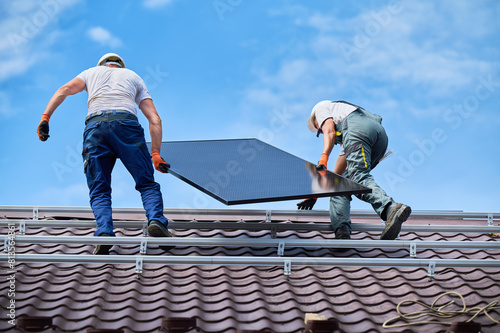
x=364, y=143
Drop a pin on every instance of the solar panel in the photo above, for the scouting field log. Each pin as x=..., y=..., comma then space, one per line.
x=242, y=171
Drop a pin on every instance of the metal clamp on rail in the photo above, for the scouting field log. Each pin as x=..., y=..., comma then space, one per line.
x=6, y=245
x=268, y=216
x=281, y=248
x=144, y=246
x=431, y=269
x=138, y=265
x=413, y=250
x=273, y=232
x=22, y=228
x=287, y=269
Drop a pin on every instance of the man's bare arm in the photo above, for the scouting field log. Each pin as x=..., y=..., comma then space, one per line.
x=149, y=110
x=340, y=165
x=328, y=129
x=71, y=88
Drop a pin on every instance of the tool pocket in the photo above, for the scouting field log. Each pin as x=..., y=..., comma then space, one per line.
x=142, y=147
x=128, y=122
x=91, y=126
x=87, y=165
x=352, y=148
x=340, y=130
x=360, y=154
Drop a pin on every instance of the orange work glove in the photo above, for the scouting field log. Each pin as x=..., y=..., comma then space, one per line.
x=43, y=128
x=159, y=162
x=322, y=162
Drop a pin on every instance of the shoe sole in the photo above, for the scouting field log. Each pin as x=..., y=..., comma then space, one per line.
x=102, y=249
x=394, y=222
x=156, y=230
x=343, y=236
x=346, y=235
x=342, y=249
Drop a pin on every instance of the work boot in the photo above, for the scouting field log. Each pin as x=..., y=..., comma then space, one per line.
x=157, y=229
x=397, y=213
x=343, y=232
x=102, y=248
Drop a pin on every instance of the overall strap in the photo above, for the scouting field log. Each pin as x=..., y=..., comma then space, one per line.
x=345, y=102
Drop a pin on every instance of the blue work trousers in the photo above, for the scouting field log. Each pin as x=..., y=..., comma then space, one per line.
x=105, y=141
x=365, y=142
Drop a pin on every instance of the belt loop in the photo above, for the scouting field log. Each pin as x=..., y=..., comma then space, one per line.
x=114, y=112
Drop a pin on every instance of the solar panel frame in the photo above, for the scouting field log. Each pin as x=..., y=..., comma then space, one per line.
x=238, y=174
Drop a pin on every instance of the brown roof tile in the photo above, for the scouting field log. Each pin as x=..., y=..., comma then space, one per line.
x=79, y=297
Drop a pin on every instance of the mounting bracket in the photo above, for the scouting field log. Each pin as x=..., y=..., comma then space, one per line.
x=144, y=246
x=138, y=265
x=281, y=248
x=22, y=228
x=431, y=269
x=413, y=250
x=287, y=267
x=273, y=232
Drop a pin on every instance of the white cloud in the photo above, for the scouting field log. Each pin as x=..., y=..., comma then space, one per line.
x=104, y=37
x=156, y=3
x=410, y=46
x=27, y=26
x=15, y=66
x=416, y=60
x=418, y=47
x=321, y=22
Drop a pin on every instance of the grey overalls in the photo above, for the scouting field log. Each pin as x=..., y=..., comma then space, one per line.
x=365, y=143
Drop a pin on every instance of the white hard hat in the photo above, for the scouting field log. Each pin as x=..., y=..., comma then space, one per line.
x=312, y=117
x=111, y=58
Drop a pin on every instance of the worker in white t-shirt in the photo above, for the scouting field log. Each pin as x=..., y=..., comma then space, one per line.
x=112, y=131
x=363, y=143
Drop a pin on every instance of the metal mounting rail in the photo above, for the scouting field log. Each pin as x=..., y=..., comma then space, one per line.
x=139, y=261
x=280, y=243
x=423, y=214
x=277, y=226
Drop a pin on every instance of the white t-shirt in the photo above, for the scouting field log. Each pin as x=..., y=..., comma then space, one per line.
x=113, y=89
x=338, y=111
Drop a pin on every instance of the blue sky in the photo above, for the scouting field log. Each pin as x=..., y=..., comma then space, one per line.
x=222, y=69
